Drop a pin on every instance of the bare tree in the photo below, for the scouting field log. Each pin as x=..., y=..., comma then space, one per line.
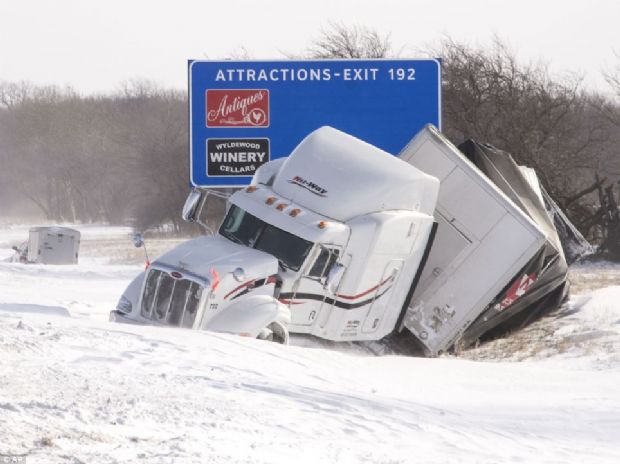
x=545, y=122
x=113, y=158
x=611, y=107
x=613, y=76
x=340, y=41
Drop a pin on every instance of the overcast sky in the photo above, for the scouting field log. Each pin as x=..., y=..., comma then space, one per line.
x=94, y=45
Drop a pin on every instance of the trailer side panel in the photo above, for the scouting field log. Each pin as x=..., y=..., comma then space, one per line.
x=483, y=240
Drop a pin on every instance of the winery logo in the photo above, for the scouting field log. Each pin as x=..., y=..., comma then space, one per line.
x=237, y=108
x=236, y=157
x=310, y=186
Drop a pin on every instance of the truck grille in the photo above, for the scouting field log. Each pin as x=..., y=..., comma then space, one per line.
x=170, y=301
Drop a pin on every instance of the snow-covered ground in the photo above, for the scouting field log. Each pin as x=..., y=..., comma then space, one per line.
x=76, y=388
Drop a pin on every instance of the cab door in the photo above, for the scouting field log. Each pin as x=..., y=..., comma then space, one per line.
x=379, y=306
x=308, y=294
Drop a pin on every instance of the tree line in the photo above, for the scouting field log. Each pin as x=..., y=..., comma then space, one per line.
x=122, y=158
x=119, y=158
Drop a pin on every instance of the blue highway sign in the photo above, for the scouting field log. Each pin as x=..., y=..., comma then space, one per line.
x=245, y=113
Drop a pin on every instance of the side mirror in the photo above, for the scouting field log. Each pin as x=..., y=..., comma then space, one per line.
x=137, y=240
x=15, y=248
x=190, y=208
x=333, y=278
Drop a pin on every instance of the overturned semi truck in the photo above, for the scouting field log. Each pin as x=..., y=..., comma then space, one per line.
x=346, y=242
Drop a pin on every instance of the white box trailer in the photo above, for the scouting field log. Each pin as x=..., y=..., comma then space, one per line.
x=53, y=245
x=482, y=242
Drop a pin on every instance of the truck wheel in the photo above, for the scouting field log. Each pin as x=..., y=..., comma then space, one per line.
x=274, y=332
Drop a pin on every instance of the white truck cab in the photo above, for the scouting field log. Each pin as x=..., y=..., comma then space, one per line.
x=364, y=218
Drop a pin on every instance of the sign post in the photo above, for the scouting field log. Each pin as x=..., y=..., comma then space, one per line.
x=246, y=113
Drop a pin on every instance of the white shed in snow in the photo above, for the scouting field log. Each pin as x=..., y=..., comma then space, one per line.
x=53, y=245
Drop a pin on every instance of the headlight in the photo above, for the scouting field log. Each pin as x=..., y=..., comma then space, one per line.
x=124, y=305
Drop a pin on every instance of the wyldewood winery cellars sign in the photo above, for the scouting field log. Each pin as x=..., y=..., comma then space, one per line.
x=236, y=156
x=246, y=113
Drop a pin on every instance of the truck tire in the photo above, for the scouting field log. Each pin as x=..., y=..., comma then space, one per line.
x=274, y=332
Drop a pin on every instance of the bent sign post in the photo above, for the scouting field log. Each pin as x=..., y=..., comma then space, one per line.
x=246, y=113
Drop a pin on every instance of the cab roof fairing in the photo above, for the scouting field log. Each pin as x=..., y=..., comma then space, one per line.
x=341, y=177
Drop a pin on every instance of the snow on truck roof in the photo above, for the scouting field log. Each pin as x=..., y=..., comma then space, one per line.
x=341, y=177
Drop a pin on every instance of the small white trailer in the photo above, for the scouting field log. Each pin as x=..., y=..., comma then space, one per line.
x=53, y=245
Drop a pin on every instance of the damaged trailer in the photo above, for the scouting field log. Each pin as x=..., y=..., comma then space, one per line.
x=546, y=274
x=497, y=262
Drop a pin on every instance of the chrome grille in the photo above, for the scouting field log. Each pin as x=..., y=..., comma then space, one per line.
x=170, y=301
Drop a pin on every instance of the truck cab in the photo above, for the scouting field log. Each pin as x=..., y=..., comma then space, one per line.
x=326, y=242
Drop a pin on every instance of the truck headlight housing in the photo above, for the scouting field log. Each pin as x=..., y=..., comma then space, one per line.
x=124, y=305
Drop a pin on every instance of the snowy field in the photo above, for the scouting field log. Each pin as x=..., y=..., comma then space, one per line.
x=76, y=388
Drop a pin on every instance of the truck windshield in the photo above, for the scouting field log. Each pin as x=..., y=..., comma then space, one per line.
x=241, y=227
